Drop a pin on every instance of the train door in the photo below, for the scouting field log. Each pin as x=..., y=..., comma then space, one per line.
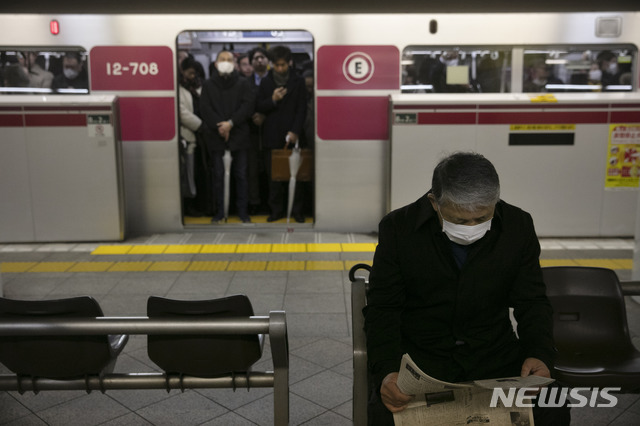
x=236, y=149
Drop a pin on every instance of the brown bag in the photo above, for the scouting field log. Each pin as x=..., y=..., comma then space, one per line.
x=280, y=165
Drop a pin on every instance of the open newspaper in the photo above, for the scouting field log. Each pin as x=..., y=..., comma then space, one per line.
x=447, y=404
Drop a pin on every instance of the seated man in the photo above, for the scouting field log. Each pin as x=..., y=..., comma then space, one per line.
x=445, y=272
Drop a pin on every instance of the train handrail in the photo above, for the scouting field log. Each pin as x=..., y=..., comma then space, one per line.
x=630, y=288
x=274, y=324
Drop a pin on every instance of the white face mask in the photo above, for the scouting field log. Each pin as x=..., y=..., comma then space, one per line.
x=70, y=73
x=225, y=67
x=595, y=75
x=465, y=234
x=613, y=67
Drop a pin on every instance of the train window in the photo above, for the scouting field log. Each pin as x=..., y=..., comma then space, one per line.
x=214, y=191
x=578, y=69
x=456, y=70
x=42, y=70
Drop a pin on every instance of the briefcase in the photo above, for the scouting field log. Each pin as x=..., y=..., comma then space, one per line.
x=280, y=165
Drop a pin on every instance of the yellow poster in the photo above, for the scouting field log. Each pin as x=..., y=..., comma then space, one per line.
x=623, y=156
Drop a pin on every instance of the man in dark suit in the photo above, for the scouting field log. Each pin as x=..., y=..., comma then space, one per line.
x=282, y=98
x=226, y=104
x=446, y=271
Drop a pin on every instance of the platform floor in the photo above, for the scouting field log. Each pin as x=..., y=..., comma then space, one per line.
x=302, y=272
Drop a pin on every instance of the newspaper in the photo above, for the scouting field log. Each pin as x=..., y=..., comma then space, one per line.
x=447, y=404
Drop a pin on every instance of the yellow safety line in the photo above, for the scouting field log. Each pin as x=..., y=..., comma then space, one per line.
x=242, y=265
x=236, y=248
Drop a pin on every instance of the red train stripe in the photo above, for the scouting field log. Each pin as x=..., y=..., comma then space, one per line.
x=55, y=120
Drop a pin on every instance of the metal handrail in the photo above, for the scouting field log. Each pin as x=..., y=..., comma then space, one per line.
x=630, y=288
x=274, y=325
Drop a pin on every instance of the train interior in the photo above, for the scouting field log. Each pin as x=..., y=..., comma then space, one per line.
x=204, y=47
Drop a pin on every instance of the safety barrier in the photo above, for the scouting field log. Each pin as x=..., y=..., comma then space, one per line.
x=274, y=324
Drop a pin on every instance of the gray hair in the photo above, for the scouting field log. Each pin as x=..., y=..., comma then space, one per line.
x=466, y=180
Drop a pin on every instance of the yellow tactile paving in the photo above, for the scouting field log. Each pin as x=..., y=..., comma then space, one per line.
x=91, y=267
x=557, y=262
x=599, y=263
x=359, y=247
x=169, y=266
x=323, y=247
x=52, y=267
x=130, y=267
x=148, y=249
x=325, y=265
x=623, y=263
x=183, y=248
x=124, y=249
x=16, y=267
x=286, y=265
x=288, y=248
x=253, y=248
x=208, y=266
x=247, y=266
x=218, y=248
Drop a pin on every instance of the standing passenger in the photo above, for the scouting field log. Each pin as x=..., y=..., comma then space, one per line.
x=282, y=97
x=74, y=75
x=258, y=59
x=226, y=105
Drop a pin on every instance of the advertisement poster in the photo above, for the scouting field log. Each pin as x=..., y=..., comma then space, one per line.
x=623, y=156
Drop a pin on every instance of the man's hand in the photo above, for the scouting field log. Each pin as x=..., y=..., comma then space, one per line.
x=534, y=367
x=278, y=94
x=392, y=397
x=224, y=129
x=291, y=139
x=258, y=118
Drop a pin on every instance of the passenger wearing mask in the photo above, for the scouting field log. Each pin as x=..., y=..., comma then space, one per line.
x=435, y=291
x=539, y=77
x=608, y=65
x=226, y=104
x=282, y=98
x=73, y=76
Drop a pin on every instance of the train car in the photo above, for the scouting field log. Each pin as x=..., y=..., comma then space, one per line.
x=392, y=92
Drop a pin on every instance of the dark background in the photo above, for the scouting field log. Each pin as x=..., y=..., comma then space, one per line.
x=311, y=6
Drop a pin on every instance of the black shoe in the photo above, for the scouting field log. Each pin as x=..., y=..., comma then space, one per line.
x=298, y=218
x=217, y=219
x=245, y=219
x=274, y=217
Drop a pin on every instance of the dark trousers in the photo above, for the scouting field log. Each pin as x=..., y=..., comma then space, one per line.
x=277, y=191
x=239, y=172
x=378, y=415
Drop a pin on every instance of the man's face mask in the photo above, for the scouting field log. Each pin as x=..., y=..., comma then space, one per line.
x=224, y=67
x=70, y=73
x=465, y=234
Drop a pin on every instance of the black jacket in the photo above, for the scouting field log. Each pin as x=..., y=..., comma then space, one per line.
x=284, y=116
x=455, y=322
x=225, y=99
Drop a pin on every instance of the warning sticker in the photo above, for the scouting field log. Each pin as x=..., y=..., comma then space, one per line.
x=99, y=125
x=623, y=156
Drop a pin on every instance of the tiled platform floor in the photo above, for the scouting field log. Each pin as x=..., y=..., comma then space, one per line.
x=310, y=284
